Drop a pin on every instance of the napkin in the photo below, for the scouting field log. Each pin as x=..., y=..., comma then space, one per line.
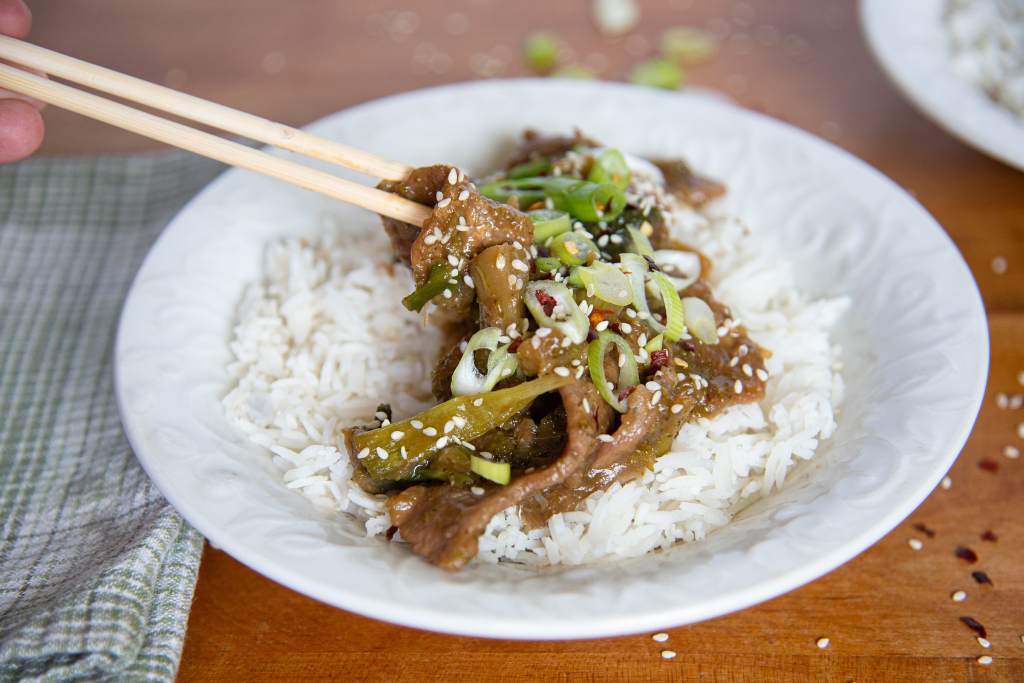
x=97, y=571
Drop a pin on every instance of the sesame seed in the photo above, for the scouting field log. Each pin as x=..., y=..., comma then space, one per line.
x=659, y=637
x=543, y=331
x=504, y=339
x=747, y=370
x=652, y=386
x=453, y=260
x=478, y=402
x=984, y=642
x=743, y=350
x=444, y=202
x=447, y=294
x=1016, y=401
x=656, y=398
x=459, y=421
x=535, y=342
x=762, y=374
x=958, y=596
x=566, y=342
x=385, y=422
x=405, y=453
x=630, y=312
x=429, y=239
x=642, y=340
x=430, y=431
x=1002, y=401
x=1011, y=452
x=668, y=654
x=626, y=328
x=984, y=660
x=476, y=490
x=517, y=244
x=738, y=387
x=438, y=196
x=363, y=453
x=586, y=405
x=453, y=177
x=449, y=426
x=561, y=371
x=469, y=281
x=499, y=262
x=590, y=290
x=622, y=360
x=464, y=195
x=601, y=326
x=1020, y=430
x=999, y=265
x=607, y=438
x=520, y=266
x=915, y=544
x=734, y=361
x=381, y=453
x=442, y=442
x=947, y=483
x=397, y=435
x=512, y=281
x=677, y=408
x=822, y=643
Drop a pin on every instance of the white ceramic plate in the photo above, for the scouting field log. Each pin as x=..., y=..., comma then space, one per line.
x=916, y=354
x=910, y=43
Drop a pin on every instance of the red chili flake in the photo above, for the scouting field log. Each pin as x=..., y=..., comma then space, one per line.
x=982, y=577
x=988, y=465
x=626, y=391
x=987, y=535
x=965, y=553
x=659, y=359
x=547, y=302
x=515, y=344
x=392, y=530
x=925, y=530
x=688, y=345
x=598, y=315
x=975, y=626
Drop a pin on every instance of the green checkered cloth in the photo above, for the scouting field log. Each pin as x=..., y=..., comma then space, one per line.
x=97, y=571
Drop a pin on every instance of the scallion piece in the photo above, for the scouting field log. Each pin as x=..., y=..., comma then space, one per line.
x=592, y=202
x=610, y=167
x=565, y=315
x=681, y=267
x=636, y=269
x=547, y=223
x=547, y=264
x=528, y=169
x=655, y=344
x=674, y=320
x=573, y=248
x=657, y=73
x=607, y=281
x=436, y=282
x=500, y=364
x=638, y=242
x=700, y=319
x=541, y=51
x=629, y=373
x=498, y=472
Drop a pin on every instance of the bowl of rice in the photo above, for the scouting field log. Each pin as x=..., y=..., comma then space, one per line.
x=266, y=320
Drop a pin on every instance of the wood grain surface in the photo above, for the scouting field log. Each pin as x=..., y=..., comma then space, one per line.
x=888, y=613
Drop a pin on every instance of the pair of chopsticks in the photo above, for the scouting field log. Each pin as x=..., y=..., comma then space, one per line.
x=210, y=114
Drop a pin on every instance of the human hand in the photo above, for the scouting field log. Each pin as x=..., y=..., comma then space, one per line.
x=21, y=126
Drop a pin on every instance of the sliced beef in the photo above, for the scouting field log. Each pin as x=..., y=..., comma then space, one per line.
x=689, y=187
x=497, y=282
x=442, y=523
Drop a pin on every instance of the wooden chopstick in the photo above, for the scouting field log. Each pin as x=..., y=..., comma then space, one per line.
x=197, y=109
x=206, y=144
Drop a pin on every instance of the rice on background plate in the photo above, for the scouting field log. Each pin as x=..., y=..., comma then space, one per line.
x=324, y=339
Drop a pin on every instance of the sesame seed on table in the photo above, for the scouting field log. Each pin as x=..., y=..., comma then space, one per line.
x=893, y=613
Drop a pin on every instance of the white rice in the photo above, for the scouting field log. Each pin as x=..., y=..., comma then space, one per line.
x=987, y=42
x=324, y=339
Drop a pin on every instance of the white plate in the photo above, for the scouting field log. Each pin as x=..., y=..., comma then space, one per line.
x=916, y=353
x=910, y=42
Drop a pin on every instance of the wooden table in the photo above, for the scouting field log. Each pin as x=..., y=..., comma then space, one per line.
x=888, y=613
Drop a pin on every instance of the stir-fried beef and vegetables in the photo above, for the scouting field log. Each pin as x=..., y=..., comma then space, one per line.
x=580, y=338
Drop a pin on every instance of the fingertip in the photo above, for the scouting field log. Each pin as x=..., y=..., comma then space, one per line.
x=15, y=18
x=21, y=130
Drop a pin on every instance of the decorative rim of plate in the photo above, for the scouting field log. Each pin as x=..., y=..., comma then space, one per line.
x=908, y=40
x=657, y=612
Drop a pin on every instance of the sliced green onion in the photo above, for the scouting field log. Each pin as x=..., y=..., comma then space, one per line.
x=500, y=364
x=686, y=45
x=547, y=264
x=674, y=319
x=639, y=244
x=607, y=281
x=681, y=267
x=566, y=316
x=573, y=248
x=655, y=344
x=498, y=472
x=700, y=320
x=541, y=51
x=657, y=73
x=436, y=282
x=591, y=202
x=610, y=167
x=547, y=223
x=529, y=169
x=629, y=373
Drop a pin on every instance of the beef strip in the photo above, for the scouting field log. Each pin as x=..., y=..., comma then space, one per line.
x=457, y=230
x=442, y=522
x=691, y=188
x=500, y=298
